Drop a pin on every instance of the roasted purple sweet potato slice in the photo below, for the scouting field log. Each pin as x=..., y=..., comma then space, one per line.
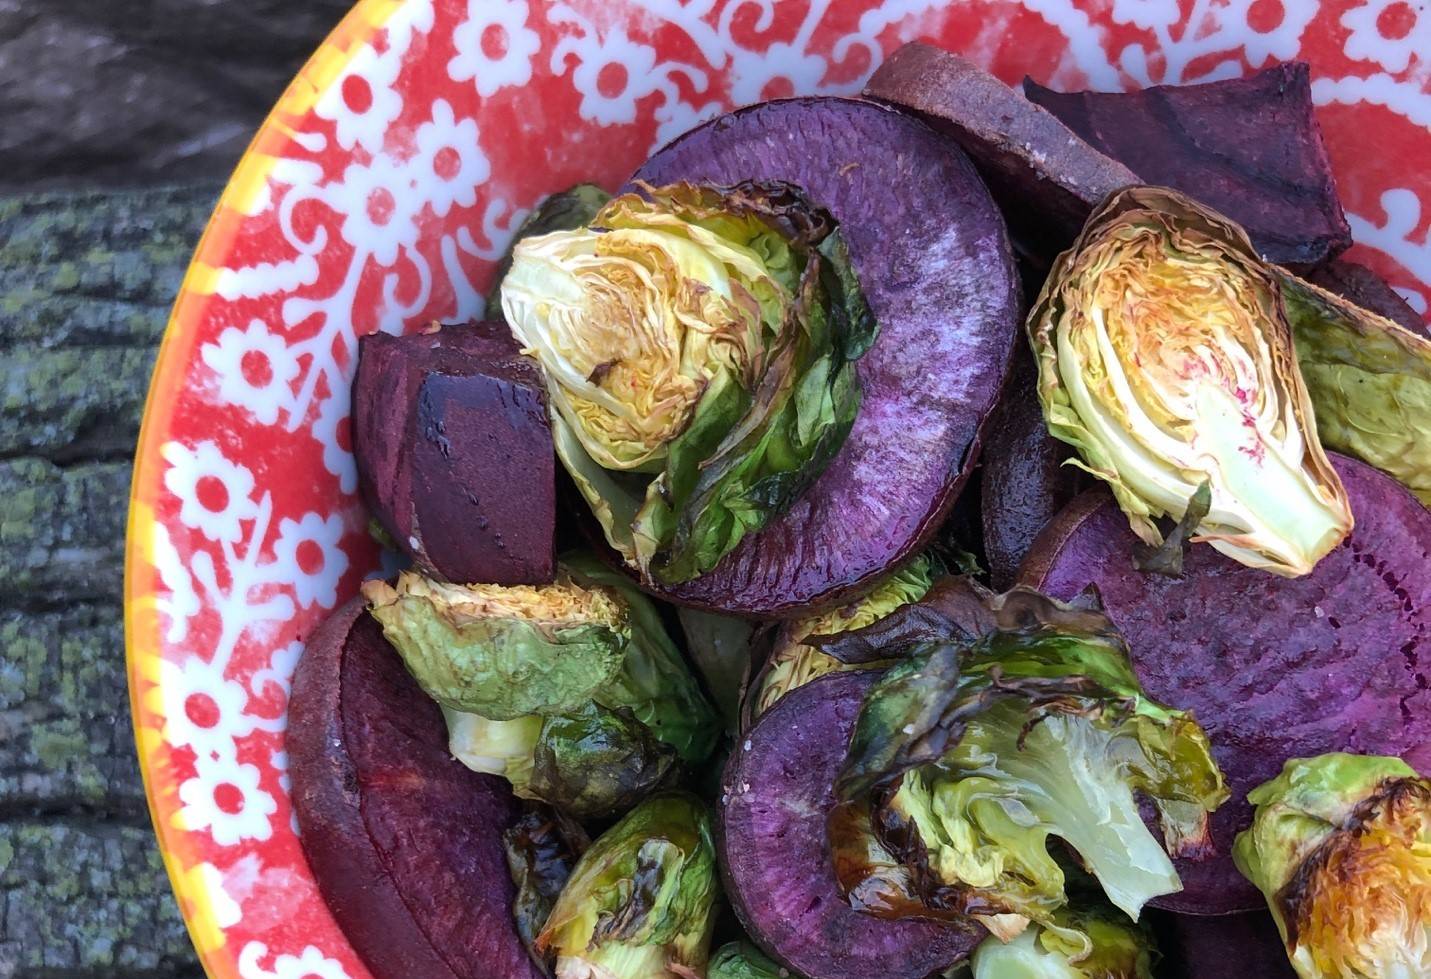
x=1273, y=668
x=934, y=262
x=777, y=791
x=1229, y=946
x=405, y=842
x=445, y=425
x=1046, y=177
x=1247, y=147
x=1368, y=290
x=1024, y=483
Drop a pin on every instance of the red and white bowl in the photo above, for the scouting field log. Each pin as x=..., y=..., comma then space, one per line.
x=378, y=195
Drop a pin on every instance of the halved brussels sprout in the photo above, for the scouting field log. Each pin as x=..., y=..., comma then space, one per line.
x=1166, y=360
x=698, y=345
x=641, y=902
x=504, y=651
x=571, y=691
x=794, y=663
x=966, y=758
x=1080, y=943
x=1340, y=845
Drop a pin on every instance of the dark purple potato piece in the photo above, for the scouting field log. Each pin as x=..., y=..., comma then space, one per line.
x=934, y=260
x=1229, y=946
x=405, y=843
x=1045, y=177
x=1024, y=483
x=1273, y=668
x=1248, y=147
x=454, y=452
x=776, y=794
x=1369, y=291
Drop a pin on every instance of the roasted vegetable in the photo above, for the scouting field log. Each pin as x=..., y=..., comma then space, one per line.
x=542, y=849
x=1369, y=380
x=1086, y=943
x=571, y=691
x=640, y=903
x=699, y=349
x=793, y=662
x=1272, y=668
x=405, y=846
x=1341, y=848
x=742, y=960
x=562, y=211
x=933, y=260
x=776, y=795
x=1166, y=360
x=966, y=758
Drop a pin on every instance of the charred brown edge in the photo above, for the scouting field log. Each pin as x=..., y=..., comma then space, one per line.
x=1294, y=899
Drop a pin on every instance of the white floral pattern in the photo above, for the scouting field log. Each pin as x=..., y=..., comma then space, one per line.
x=494, y=46
x=215, y=495
x=255, y=369
x=449, y=159
x=311, y=963
x=308, y=551
x=202, y=709
x=378, y=206
x=362, y=103
x=1389, y=32
x=225, y=798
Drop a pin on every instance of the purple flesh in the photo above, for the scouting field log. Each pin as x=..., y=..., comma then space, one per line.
x=404, y=841
x=1248, y=147
x=1024, y=483
x=483, y=484
x=777, y=792
x=934, y=260
x=1369, y=291
x=1232, y=946
x=1273, y=668
x=1046, y=179
x=446, y=499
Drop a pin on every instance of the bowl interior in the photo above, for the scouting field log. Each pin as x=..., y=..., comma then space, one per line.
x=378, y=196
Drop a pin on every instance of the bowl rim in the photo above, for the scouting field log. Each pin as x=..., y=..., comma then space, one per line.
x=142, y=647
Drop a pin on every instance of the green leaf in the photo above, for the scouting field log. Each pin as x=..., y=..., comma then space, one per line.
x=742, y=960
x=1369, y=380
x=653, y=681
x=720, y=646
x=1085, y=943
x=502, y=668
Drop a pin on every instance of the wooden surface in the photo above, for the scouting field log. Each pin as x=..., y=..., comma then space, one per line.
x=85, y=287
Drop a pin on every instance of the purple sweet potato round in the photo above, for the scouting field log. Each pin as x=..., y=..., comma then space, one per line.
x=933, y=257
x=1224, y=946
x=404, y=841
x=1024, y=483
x=1273, y=668
x=776, y=794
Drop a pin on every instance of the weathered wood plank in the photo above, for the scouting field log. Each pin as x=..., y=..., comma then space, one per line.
x=61, y=532
x=64, y=718
x=83, y=898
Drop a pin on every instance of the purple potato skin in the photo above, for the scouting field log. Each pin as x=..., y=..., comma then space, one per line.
x=1046, y=178
x=484, y=481
x=1369, y=291
x=934, y=260
x=776, y=794
x=440, y=480
x=1248, y=147
x=405, y=842
x=1024, y=483
x=1273, y=668
x=1229, y=946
